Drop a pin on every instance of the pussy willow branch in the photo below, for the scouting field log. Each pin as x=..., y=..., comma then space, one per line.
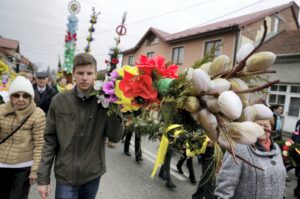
x=252, y=90
x=241, y=74
x=242, y=64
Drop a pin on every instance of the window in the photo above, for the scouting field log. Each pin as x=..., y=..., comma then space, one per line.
x=150, y=54
x=131, y=60
x=279, y=88
x=276, y=25
x=276, y=99
x=213, y=44
x=153, y=39
x=295, y=89
x=177, y=55
x=294, y=106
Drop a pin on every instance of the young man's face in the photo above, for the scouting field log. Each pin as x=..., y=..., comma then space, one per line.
x=84, y=77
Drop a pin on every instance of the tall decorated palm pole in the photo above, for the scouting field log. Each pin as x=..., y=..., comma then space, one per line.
x=70, y=39
x=90, y=38
x=114, y=51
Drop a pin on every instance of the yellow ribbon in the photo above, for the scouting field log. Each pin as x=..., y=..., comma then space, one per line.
x=202, y=150
x=163, y=146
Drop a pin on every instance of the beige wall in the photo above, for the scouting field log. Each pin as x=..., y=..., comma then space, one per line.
x=253, y=32
x=161, y=48
x=193, y=50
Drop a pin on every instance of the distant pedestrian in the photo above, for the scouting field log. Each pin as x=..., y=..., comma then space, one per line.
x=296, y=139
x=165, y=169
x=277, y=121
x=43, y=92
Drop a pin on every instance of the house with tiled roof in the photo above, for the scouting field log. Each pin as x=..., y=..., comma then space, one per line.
x=185, y=47
x=10, y=53
x=286, y=46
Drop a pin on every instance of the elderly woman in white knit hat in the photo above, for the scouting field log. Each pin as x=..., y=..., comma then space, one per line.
x=244, y=181
x=21, y=140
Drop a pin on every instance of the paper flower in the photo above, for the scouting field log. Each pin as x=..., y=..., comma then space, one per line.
x=108, y=88
x=127, y=104
x=132, y=70
x=147, y=65
x=98, y=85
x=133, y=86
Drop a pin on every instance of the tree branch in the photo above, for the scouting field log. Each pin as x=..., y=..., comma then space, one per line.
x=242, y=64
x=252, y=90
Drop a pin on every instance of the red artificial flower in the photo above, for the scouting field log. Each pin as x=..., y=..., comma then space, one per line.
x=170, y=72
x=157, y=62
x=114, y=60
x=285, y=148
x=145, y=65
x=134, y=86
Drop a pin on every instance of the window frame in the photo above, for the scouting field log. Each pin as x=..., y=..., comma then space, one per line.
x=150, y=54
x=131, y=60
x=176, y=61
x=206, y=50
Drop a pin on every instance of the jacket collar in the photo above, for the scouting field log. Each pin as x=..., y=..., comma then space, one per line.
x=260, y=151
x=21, y=114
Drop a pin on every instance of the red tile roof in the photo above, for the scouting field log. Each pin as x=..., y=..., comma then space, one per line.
x=161, y=35
x=237, y=21
x=285, y=43
x=222, y=26
x=9, y=43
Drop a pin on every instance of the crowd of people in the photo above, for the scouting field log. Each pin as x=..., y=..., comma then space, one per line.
x=40, y=128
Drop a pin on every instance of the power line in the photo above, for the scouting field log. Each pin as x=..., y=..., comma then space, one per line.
x=211, y=20
x=156, y=16
x=146, y=19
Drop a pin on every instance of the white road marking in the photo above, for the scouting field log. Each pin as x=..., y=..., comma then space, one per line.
x=151, y=157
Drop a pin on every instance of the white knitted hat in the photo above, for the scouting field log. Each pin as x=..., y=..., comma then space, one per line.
x=21, y=84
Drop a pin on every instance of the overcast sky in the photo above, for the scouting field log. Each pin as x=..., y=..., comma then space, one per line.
x=40, y=25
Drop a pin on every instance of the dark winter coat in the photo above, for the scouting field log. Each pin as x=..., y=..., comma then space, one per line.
x=43, y=100
x=75, y=134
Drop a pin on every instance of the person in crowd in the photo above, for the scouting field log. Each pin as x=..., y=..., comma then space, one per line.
x=244, y=181
x=21, y=140
x=165, y=169
x=297, y=128
x=277, y=121
x=206, y=185
x=43, y=92
x=189, y=164
x=296, y=139
x=61, y=84
x=75, y=133
x=28, y=74
x=137, y=146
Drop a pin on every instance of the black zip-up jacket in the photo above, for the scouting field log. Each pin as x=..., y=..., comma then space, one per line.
x=75, y=137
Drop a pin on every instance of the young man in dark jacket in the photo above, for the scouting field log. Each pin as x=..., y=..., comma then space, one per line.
x=75, y=134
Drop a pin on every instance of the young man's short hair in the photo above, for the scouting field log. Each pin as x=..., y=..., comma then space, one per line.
x=84, y=59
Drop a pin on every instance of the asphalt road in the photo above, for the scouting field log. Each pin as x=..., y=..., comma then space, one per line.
x=126, y=179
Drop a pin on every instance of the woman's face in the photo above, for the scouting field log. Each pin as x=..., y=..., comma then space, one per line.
x=20, y=100
x=266, y=124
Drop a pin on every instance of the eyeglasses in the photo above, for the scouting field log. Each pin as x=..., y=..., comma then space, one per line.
x=24, y=96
